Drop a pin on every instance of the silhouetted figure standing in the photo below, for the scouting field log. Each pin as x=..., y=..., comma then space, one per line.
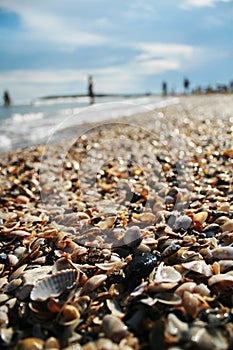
x=164, y=88
x=186, y=85
x=90, y=89
x=7, y=99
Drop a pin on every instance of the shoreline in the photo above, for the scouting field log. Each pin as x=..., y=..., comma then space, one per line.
x=140, y=211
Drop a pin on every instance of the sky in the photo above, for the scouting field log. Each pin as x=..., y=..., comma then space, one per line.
x=49, y=47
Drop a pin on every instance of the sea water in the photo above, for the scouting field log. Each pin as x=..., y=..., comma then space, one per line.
x=29, y=124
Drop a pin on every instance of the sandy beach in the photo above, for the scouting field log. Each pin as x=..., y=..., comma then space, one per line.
x=121, y=236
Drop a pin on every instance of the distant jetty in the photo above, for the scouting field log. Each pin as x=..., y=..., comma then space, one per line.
x=50, y=97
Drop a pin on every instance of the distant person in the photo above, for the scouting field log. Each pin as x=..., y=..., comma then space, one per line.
x=164, y=88
x=186, y=85
x=7, y=99
x=90, y=89
x=231, y=85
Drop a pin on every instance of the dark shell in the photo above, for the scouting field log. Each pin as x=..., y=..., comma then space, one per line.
x=54, y=285
x=140, y=267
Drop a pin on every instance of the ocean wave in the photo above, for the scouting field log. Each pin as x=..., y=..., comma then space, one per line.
x=18, y=118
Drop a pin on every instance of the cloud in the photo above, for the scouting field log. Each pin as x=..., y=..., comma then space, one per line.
x=158, y=58
x=42, y=76
x=152, y=50
x=186, y=4
x=40, y=22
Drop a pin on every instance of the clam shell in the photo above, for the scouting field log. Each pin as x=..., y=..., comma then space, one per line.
x=54, y=285
x=168, y=298
x=223, y=253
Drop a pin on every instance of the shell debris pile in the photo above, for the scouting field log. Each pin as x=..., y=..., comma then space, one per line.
x=124, y=238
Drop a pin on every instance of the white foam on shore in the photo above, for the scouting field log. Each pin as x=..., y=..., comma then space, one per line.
x=5, y=142
x=33, y=127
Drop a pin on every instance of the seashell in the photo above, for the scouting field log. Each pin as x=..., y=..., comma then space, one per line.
x=3, y=298
x=114, y=307
x=13, y=285
x=109, y=267
x=100, y=344
x=227, y=226
x=202, y=289
x=10, y=216
x=4, y=320
x=165, y=278
x=221, y=220
x=24, y=292
x=228, y=153
x=200, y=217
x=69, y=316
x=215, y=317
x=30, y=344
x=187, y=286
x=93, y=283
x=223, y=253
x=21, y=233
x=191, y=303
x=147, y=216
x=114, y=328
x=140, y=267
x=18, y=272
x=6, y=335
x=22, y=199
x=221, y=278
x=202, y=338
x=225, y=207
x=51, y=344
x=183, y=222
x=170, y=250
x=30, y=277
x=168, y=298
x=132, y=237
x=199, y=267
x=13, y=260
x=167, y=274
x=211, y=230
x=174, y=327
x=225, y=265
x=54, y=285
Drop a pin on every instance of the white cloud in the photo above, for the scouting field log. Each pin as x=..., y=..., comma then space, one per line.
x=42, y=76
x=158, y=58
x=152, y=50
x=186, y=4
x=41, y=21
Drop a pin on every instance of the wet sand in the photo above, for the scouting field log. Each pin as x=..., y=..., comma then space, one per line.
x=139, y=211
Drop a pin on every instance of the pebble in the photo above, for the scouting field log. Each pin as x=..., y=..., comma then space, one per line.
x=183, y=222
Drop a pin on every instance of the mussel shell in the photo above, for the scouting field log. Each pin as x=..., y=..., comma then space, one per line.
x=54, y=285
x=140, y=267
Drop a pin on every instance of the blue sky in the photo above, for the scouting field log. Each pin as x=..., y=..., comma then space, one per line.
x=49, y=47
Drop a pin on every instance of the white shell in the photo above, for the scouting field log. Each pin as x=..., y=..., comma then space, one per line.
x=167, y=274
x=54, y=285
x=199, y=266
x=223, y=253
x=221, y=278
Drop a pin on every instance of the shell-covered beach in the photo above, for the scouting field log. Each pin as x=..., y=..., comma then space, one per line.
x=122, y=236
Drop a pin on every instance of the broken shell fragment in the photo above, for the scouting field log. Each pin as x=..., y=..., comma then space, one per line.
x=93, y=283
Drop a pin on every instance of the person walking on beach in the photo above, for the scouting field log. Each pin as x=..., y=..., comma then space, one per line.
x=90, y=89
x=6, y=98
x=186, y=85
x=164, y=88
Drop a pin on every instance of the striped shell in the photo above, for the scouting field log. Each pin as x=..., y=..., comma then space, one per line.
x=54, y=285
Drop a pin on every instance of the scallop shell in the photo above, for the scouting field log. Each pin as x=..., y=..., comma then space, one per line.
x=54, y=285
